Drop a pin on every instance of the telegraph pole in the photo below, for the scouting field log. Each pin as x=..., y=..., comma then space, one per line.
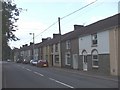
x=33, y=44
x=59, y=25
x=60, y=39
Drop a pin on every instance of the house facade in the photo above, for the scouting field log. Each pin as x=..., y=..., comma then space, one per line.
x=92, y=48
x=98, y=47
x=94, y=52
x=55, y=51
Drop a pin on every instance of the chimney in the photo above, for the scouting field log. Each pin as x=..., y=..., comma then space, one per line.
x=44, y=39
x=23, y=45
x=77, y=27
x=26, y=44
x=31, y=43
x=55, y=35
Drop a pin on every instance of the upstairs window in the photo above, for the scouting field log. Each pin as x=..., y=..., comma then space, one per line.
x=56, y=47
x=94, y=40
x=68, y=44
x=51, y=49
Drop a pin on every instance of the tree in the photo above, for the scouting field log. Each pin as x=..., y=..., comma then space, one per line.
x=10, y=14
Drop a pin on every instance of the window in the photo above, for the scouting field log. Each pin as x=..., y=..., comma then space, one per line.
x=56, y=58
x=35, y=51
x=51, y=49
x=94, y=40
x=68, y=44
x=95, y=63
x=67, y=58
x=28, y=52
x=56, y=47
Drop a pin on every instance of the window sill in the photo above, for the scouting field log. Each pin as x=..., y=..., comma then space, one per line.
x=56, y=62
x=95, y=45
x=67, y=64
x=95, y=66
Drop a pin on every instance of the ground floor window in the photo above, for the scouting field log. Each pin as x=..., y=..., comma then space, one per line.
x=67, y=58
x=56, y=58
x=95, y=61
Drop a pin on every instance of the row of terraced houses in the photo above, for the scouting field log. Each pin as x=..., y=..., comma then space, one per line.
x=91, y=48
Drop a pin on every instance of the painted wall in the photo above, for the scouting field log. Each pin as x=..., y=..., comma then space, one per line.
x=113, y=34
x=103, y=43
x=102, y=47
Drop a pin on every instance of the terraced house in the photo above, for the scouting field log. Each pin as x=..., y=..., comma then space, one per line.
x=92, y=48
x=98, y=46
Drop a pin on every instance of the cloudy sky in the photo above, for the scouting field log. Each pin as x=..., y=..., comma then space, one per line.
x=41, y=14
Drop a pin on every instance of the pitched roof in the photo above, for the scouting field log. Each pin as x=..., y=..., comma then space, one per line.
x=98, y=26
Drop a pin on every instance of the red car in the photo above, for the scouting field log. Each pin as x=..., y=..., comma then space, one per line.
x=42, y=63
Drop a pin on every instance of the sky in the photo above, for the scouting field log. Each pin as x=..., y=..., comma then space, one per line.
x=38, y=15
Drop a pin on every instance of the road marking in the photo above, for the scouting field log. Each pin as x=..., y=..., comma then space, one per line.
x=28, y=69
x=61, y=83
x=38, y=74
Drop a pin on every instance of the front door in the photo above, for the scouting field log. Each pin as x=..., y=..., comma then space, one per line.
x=85, y=61
x=75, y=61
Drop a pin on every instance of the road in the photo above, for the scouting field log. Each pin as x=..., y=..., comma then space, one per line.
x=26, y=76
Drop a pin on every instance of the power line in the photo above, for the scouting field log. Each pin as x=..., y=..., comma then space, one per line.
x=64, y=17
x=78, y=9
x=43, y=31
x=67, y=16
x=47, y=28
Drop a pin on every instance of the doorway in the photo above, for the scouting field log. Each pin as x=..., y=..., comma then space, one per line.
x=85, y=64
x=75, y=61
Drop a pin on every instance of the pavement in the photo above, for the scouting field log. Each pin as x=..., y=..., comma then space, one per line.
x=88, y=73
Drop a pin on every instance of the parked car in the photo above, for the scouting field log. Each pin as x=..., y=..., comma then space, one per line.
x=31, y=61
x=34, y=62
x=25, y=61
x=19, y=61
x=42, y=63
x=8, y=60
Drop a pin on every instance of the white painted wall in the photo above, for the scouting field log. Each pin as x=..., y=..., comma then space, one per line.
x=102, y=47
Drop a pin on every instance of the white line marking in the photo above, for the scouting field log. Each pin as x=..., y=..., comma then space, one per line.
x=61, y=83
x=28, y=69
x=38, y=74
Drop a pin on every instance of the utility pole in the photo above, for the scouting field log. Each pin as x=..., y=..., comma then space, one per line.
x=33, y=44
x=60, y=40
x=59, y=25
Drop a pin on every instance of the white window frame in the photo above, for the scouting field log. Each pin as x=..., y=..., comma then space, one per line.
x=66, y=58
x=56, y=47
x=57, y=61
x=68, y=44
x=94, y=38
x=93, y=59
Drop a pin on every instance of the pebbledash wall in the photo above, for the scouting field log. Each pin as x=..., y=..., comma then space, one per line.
x=102, y=47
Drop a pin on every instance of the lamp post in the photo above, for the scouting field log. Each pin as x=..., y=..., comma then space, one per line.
x=33, y=45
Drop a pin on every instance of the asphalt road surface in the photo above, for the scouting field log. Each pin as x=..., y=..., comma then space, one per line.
x=26, y=76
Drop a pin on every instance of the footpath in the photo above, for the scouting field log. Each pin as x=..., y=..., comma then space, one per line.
x=88, y=73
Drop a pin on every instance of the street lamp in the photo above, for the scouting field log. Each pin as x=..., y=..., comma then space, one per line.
x=33, y=45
